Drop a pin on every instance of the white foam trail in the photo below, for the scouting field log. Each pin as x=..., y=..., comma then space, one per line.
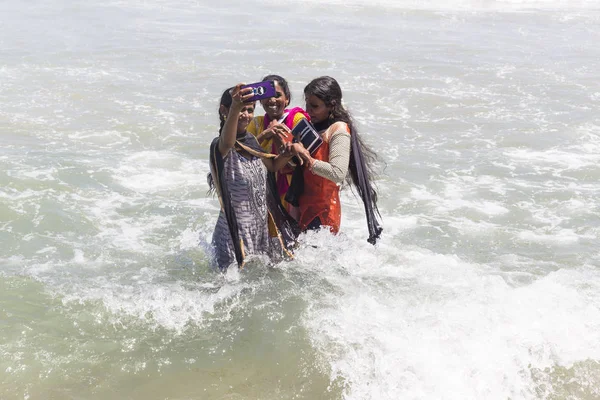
x=554, y=160
x=154, y=171
x=172, y=305
x=562, y=237
x=434, y=326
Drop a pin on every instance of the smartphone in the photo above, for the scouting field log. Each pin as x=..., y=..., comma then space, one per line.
x=305, y=133
x=261, y=90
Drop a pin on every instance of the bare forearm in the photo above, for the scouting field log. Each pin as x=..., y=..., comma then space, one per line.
x=262, y=137
x=277, y=163
x=229, y=132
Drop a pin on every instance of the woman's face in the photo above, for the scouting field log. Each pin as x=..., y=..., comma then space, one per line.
x=316, y=109
x=245, y=117
x=274, y=106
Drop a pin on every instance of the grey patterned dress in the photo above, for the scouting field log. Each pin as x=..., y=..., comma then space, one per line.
x=246, y=180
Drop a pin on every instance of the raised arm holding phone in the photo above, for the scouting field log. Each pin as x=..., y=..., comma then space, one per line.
x=252, y=220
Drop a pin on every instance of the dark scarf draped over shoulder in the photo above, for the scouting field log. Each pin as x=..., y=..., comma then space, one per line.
x=358, y=168
x=288, y=229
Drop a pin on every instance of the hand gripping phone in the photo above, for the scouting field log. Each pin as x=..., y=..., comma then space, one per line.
x=261, y=90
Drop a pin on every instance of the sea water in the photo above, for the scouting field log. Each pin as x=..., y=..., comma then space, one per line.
x=485, y=284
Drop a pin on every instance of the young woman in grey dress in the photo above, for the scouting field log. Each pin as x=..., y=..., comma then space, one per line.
x=250, y=223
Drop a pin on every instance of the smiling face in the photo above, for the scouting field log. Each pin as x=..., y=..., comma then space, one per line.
x=275, y=106
x=316, y=109
x=246, y=115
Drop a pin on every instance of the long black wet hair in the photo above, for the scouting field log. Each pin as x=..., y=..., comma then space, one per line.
x=329, y=91
x=226, y=101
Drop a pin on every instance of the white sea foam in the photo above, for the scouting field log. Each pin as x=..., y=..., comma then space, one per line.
x=160, y=171
x=563, y=237
x=554, y=159
x=463, y=317
x=168, y=305
x=453, y=199
x=104, y=139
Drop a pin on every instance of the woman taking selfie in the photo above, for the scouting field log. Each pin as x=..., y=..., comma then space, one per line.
x=252, y=220
x=317, y=186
